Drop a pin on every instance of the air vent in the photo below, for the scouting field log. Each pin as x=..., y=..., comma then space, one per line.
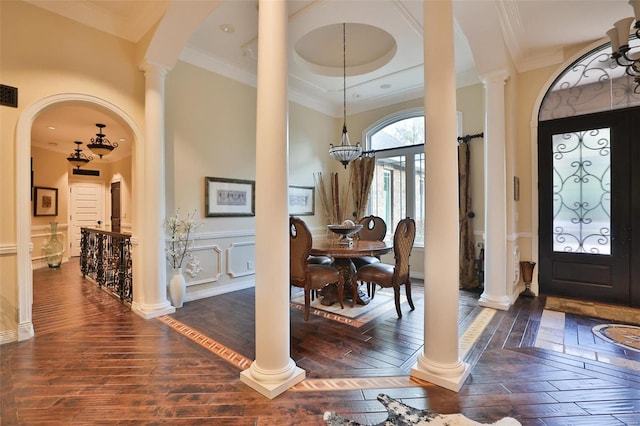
x=8, y=96
x=86, y=172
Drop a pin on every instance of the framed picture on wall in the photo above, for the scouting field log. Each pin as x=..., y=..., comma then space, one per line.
x=229, y=197
x=302, y=200
x=45, y=201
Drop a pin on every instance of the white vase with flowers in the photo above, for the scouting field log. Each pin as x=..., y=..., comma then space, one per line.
x=179, y=247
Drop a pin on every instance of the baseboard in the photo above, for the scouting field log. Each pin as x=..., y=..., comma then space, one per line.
x=215, y=291
x=41, y=262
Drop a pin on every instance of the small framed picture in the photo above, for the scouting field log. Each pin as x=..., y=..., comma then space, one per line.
x=45, y=201
x=229, y=197
x=302, y=200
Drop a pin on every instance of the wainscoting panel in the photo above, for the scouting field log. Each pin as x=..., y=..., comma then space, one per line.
x=227, y=260
x=241, y=259
x=210, y=260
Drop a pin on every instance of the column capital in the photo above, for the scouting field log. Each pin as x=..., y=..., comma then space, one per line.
x=153, y=68
x=498, y=76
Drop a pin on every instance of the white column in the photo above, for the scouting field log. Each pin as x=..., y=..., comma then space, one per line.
x=495, y=293
x=150, y=293
x=273, y=370
x=440, y=363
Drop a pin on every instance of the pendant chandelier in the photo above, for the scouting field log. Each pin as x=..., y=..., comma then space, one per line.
x=78, y=158
x=345, y=152
x=100, y=145
x=619, y=36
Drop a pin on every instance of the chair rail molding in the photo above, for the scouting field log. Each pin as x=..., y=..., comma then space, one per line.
x=8, y=249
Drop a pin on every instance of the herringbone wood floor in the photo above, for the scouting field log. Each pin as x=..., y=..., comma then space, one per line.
x=94, y=362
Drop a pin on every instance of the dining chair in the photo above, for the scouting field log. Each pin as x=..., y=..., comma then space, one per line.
x=309, y=276
x=392, y=276
x=374, y=228
x=318, y=260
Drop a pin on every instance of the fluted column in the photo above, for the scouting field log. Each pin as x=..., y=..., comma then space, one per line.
x=273, y=371
x=440, y=363
x=495, y=293
x=150, y=288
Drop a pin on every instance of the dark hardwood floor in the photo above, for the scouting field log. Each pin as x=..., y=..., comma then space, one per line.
x=94, y=362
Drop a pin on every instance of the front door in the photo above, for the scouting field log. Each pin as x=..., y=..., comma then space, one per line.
x=587, y=200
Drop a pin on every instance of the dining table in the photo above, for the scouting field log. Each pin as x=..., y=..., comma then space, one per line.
x=342, y=255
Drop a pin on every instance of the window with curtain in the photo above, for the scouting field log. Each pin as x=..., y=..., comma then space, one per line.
x=397, y=190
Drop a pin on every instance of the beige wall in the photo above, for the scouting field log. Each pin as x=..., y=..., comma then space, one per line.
x=50, y=169
x=210, y=131
x=43, y=54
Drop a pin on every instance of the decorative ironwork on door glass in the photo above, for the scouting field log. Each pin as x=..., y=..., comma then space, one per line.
x=582, y=192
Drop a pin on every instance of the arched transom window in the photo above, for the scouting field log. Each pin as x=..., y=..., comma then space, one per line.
x=593, y=83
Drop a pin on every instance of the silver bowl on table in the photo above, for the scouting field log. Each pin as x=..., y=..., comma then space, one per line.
x=345, y=231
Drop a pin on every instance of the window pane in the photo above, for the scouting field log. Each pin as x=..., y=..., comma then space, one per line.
x=582, y=192
x=388, y=191
x=407, y=132
x=419, y=198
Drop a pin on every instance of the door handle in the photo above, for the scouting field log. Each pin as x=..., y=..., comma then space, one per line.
x=99, y=222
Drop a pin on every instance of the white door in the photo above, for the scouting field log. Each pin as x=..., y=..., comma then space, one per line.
x=87, y=211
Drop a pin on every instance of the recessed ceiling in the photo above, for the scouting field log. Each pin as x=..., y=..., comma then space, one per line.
x=365, y=48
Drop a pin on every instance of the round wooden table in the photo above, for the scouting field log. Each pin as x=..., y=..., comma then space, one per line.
x=342, y=255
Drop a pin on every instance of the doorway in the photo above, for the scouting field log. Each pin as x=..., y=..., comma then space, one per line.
x=115, y=206
x=86, y=199
x=588, y=200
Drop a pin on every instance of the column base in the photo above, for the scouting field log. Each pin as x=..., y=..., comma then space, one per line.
x=25, y=331
x=272, y=389
x=501, y=303
x=152, y=311
x=448, y=378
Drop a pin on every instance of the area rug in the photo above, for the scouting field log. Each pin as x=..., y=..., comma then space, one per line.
x=625, y=336
x=402, y=414
x=357, y=316
x=603, y=311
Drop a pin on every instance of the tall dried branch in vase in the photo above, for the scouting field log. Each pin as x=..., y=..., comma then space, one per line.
x=333, y=201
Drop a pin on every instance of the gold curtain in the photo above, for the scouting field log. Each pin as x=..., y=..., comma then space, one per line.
x=468, y=273
x=361, y=175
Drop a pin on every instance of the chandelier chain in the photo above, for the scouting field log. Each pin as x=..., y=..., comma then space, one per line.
x=344, y=71
x=345, y=152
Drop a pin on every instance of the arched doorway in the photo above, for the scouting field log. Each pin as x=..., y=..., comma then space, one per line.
x=23, y=190
x=588, y=248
